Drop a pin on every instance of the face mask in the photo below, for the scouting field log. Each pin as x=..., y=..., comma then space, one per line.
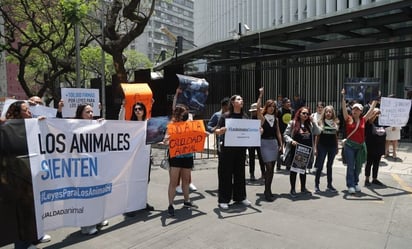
x=185, y=116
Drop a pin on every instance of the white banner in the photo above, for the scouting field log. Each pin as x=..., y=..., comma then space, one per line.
x=85, y=171
x=242, y=133
x=394, y=112
x=72, y=97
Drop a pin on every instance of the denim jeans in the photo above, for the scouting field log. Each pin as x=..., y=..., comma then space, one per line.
x=352, y=178
x=324, y=151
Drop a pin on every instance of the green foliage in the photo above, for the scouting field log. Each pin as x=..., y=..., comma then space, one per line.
x=74, y=10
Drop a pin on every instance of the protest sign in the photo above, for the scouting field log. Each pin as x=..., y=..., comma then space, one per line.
x=394, y=112
x=194, y=92
x=72, y=97
x=137, y=92
x=362, y=90
x=242, y=132
x=186, y=137
x=85, y=171
x=156, y=129
x=301, y=158
x=41, y=110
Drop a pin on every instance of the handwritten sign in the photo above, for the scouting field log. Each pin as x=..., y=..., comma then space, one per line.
x=186, y=137
x=394, y=112
x=242, y=133
x=72, y=97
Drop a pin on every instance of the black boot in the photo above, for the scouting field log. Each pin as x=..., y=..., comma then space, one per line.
x=268, y=182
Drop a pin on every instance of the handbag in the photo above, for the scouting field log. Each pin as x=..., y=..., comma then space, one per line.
x=288, y=158
x=164, y=164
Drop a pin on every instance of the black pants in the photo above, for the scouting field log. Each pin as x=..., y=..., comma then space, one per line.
x=372, y=161
x=292, y=179
x=231, y=174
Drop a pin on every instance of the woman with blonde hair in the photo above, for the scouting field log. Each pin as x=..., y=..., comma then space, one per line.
x=326, y=144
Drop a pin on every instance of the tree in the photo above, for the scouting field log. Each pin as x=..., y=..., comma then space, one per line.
x=39, y=36
x=39, y=43
x=124, y=22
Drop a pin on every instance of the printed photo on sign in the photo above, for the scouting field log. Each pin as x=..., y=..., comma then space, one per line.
x=72, y=97
x=156, y=129
x=301, y=158
x=194, y=93
x=362, y=92
x=242, y=133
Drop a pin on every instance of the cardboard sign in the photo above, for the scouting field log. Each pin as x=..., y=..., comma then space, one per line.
x=394, y=112
x=137, y=92
x=186, y=137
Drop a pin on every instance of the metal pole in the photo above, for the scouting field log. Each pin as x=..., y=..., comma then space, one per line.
x=103, y=77
x=77, y=44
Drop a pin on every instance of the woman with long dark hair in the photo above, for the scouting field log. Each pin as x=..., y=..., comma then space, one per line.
x=271, y=140
x=231, y=166
x=85, y=111
x=180, y=166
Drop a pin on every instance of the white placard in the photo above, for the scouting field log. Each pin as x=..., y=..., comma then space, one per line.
x=72, y=97
x=394, y=112
x=242, y=133
x=41, y=110
x=85, y=171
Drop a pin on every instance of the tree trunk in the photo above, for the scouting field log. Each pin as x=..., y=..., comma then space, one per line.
x=118, y=61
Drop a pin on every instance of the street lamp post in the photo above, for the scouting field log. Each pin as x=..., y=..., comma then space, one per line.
x=103, y=77
x=77, y=45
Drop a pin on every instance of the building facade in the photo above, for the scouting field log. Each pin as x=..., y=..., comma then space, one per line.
x=315, y=77
x=175, y=16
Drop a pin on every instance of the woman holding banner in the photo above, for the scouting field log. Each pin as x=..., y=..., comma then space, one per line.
x=354, y=146
x=85, y=111
x=180, y=166
x=139, y=113
x=231, y=166
x=300, y=130
x=17, y=205
x=271, y=140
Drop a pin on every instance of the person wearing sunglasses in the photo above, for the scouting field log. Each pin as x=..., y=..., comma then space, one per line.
x=300, y=130
x=139, y=113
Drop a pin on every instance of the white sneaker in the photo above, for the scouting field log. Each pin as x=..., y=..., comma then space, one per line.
x=351, y=190
x=102, y=224
x=224, y=206
x=45, y=238
x=89, y=230
x=357, y=188
x=179, y=190
x=192, y=187
x=246, y=202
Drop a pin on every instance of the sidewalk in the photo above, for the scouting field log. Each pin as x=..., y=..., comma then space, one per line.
x=375, y=218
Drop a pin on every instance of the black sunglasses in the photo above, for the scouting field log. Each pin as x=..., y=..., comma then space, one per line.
x=304, y=113
x=138, y=109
